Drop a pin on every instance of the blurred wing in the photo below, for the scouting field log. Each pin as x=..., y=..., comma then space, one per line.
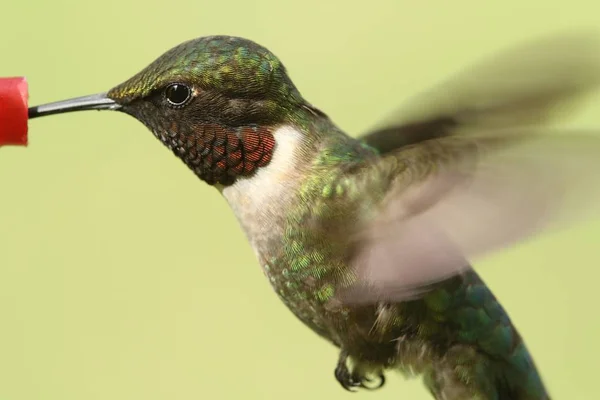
x=528, y=85
x=478, y=174
x=458, y=199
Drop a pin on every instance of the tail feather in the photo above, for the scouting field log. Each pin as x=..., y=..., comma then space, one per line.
x=485, y=357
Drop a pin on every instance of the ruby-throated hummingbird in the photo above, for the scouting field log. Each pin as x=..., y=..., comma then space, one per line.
x=369, y=241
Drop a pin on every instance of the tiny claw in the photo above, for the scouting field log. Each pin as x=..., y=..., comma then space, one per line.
x=354, y=380
x=343, y=376
x=381, y=378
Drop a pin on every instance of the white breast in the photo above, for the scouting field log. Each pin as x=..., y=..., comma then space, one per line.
x=259, y=202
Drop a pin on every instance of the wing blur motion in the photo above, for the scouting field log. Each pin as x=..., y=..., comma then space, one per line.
x=529, y=85
x=477, y=170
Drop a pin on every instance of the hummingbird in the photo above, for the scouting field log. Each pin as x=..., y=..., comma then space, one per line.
x=369, y=240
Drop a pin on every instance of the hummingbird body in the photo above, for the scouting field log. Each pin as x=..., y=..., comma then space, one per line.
x=369, y=241
x=296, y=212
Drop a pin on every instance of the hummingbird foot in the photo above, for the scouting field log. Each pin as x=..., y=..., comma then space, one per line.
x=355, y=379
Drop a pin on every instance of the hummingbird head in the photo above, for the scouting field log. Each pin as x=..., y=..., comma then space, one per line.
x=214, y=101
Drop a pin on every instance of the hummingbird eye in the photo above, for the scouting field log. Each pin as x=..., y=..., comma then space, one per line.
x=178, y=94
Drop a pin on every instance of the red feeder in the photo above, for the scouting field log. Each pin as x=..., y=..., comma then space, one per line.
x=14, y=96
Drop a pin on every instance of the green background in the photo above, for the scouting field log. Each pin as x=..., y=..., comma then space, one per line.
x=124, y=277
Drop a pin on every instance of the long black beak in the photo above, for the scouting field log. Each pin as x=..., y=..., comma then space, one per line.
x=94, y=102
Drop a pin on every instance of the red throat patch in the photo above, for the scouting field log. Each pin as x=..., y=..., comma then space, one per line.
x=219, y=155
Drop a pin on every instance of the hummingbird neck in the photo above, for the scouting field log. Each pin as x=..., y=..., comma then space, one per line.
x=304, y=156
x=259, y=201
